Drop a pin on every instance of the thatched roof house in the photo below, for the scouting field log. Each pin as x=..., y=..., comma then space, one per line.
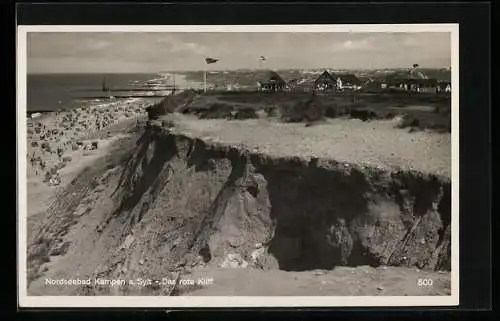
x=395, y=82
x=373, y=85
x=423, y=85
x=349, y=80
x=272, y=81
x=273, y=76
x=444, y=86
x=325, y=81
x=412, y=84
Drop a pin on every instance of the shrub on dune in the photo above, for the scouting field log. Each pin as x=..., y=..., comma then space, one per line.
x=363, y=114
x=312, y=109
x=244, y=113
x=217, y=111
x=271, y=111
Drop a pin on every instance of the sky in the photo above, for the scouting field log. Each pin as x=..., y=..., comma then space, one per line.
x=96, y=52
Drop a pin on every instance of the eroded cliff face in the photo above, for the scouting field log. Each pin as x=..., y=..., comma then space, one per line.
x=232, y=199
x=176, y=199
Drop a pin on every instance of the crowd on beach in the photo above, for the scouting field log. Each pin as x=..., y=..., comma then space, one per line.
x=52, y=137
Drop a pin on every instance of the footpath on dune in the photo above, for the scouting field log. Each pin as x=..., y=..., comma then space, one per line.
x=168, y=202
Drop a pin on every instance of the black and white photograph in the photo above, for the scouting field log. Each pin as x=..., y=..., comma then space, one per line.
x=238, y=166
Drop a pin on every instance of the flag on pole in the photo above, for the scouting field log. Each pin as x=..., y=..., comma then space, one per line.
x=261, y=60
x=211, y=60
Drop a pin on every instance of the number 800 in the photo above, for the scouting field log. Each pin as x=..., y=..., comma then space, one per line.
x=424, y=282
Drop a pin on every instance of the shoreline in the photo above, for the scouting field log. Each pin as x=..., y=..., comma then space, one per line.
x=82, y=135
x=61, y=144
x=159, y=80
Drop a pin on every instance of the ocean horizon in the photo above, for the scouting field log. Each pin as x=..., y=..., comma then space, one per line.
x=51, y=91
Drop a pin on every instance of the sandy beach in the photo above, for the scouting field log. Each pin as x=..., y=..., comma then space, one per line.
x=62, y=144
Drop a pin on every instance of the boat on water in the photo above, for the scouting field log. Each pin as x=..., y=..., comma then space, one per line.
x=106, y=89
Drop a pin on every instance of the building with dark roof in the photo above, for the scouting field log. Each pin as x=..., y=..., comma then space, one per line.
x=444, y=86
x=325, y=82
x=413, y=84
x=348, y=81
x=272, y=82
x=422, y=85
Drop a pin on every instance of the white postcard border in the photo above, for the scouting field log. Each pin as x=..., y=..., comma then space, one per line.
x=232, y=301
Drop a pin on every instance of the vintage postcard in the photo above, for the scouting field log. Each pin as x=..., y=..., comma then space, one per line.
x=238, y=166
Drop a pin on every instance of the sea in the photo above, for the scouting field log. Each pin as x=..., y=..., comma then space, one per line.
x=50, y=92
